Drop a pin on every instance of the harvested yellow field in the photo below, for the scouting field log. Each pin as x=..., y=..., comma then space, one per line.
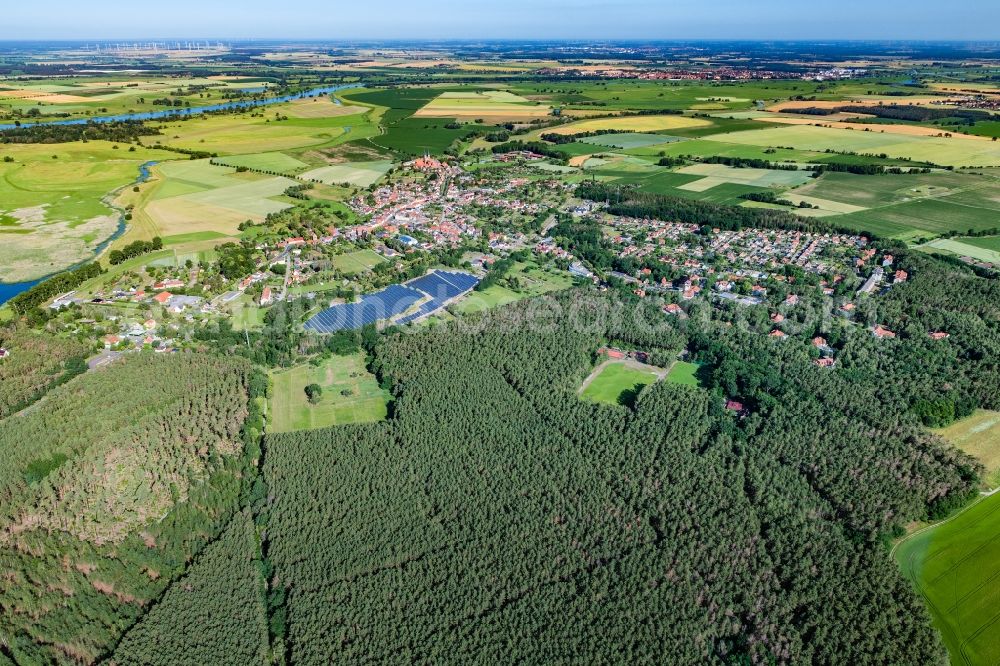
x=41, y=96
x=630, y=123
x=492, y=104
x=828, y=104
x=180, y=216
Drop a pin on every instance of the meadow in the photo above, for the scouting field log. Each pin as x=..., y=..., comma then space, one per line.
x=290, y=410
x=532, y=280
x=53, y=202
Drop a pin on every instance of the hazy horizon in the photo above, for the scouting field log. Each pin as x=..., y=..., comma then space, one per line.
x=640, y=20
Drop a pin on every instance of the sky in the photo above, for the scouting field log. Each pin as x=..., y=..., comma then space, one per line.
x=501, y=19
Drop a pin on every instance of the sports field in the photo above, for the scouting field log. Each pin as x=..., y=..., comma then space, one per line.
x=289, y=409
x=956, y=151
x=955, y=567
x=360, y=174
x=353, y=263
x=979, y=436
x=684, y=373
x=617, y=383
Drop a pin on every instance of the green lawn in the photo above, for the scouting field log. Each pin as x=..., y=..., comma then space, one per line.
x=684, y=373
x=357, y=262
x=954, y=567
x=289, y=409
x=615, y=382
x=246, y=314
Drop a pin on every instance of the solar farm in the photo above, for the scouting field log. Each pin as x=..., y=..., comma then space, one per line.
x=432, y=292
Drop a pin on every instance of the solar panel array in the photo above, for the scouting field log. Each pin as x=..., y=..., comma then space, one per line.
x=439, y=286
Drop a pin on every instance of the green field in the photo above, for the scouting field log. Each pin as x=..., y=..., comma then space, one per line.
x=906, y=206
x=289, y=409
x=618, y=383
x=717, y=174
x=954, y=567
x=279, y=162
x=684, y=373
x=353, y=263
x=628, y=140
x=962, y=248
x=196, y=196
x=360, y=174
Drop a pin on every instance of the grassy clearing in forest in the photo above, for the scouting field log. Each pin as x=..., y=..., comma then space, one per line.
x=350, y=395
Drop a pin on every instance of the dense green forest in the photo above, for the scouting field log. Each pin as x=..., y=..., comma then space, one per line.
x=110, y=484
x=214, y=614
x=497, y=517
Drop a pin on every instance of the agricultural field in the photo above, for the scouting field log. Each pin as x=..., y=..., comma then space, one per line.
x=907, y=206
x=359, y=174
x=954, y=566
x=280, y=162
x=249, y=133
x=957, y=151
x=289, y=409
x=630, y=124
x=107, y=95
x=54, y=202
x=961, y=247
x=718, y=174
x=628, y=140
x=196, y=197
x=618, y=383
x=490, y=105
x=353, y=263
